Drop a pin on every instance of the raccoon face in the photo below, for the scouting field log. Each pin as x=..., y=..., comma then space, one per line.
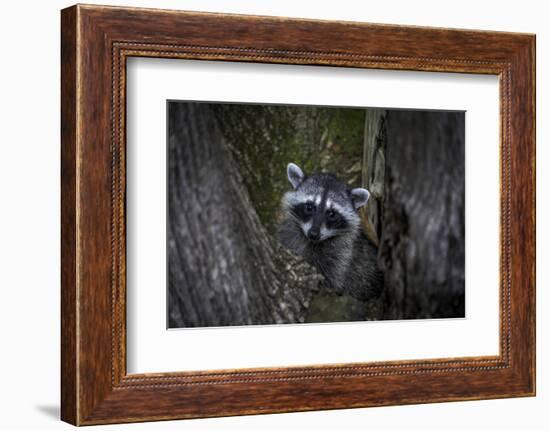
x=321, y=205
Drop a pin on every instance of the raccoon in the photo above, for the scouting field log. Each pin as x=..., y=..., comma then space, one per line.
x=321, y=223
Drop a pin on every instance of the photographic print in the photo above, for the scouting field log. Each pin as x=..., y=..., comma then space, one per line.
x=290, y=214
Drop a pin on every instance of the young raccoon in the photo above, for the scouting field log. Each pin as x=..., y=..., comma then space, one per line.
x=320, y=221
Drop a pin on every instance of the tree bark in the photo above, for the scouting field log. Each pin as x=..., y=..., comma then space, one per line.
x=373, y=170
x=224, y=267
x=227, y=175
x=263, y=139
x=422, y=244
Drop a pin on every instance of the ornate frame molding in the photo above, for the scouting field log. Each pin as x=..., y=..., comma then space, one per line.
x=96, y=41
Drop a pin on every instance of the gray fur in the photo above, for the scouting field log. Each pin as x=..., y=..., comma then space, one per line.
x=294, y=174
x=360, y=197
x=345, y=256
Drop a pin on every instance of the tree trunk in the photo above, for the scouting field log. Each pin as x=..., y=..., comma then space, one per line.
x=226, y=178
x=263, y=139
x=422, y=244
x=224, y=267
x=373, y=170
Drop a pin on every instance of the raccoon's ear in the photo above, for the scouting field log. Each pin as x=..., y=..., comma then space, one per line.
x=359, y=197
x=294, y=174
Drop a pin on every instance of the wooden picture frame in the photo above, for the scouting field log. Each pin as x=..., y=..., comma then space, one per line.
x=95, y=43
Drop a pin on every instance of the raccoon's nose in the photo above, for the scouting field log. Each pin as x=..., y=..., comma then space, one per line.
x=313, y=234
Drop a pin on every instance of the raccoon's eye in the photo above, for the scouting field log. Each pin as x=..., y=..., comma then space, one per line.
x=332, y=215
x=309, y=208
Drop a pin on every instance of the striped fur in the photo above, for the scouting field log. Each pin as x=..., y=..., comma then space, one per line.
x=321, y=223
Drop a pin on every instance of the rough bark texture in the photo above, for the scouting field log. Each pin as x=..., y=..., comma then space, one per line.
x=263, y=139
x=224, y=268
x=373, y=170
x=422, y=247
x=226, y=178
x=227, y=175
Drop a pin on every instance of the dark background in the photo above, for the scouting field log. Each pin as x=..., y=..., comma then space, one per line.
x=227, y=174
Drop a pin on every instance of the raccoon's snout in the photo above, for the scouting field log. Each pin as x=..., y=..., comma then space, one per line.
x=314, y=234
